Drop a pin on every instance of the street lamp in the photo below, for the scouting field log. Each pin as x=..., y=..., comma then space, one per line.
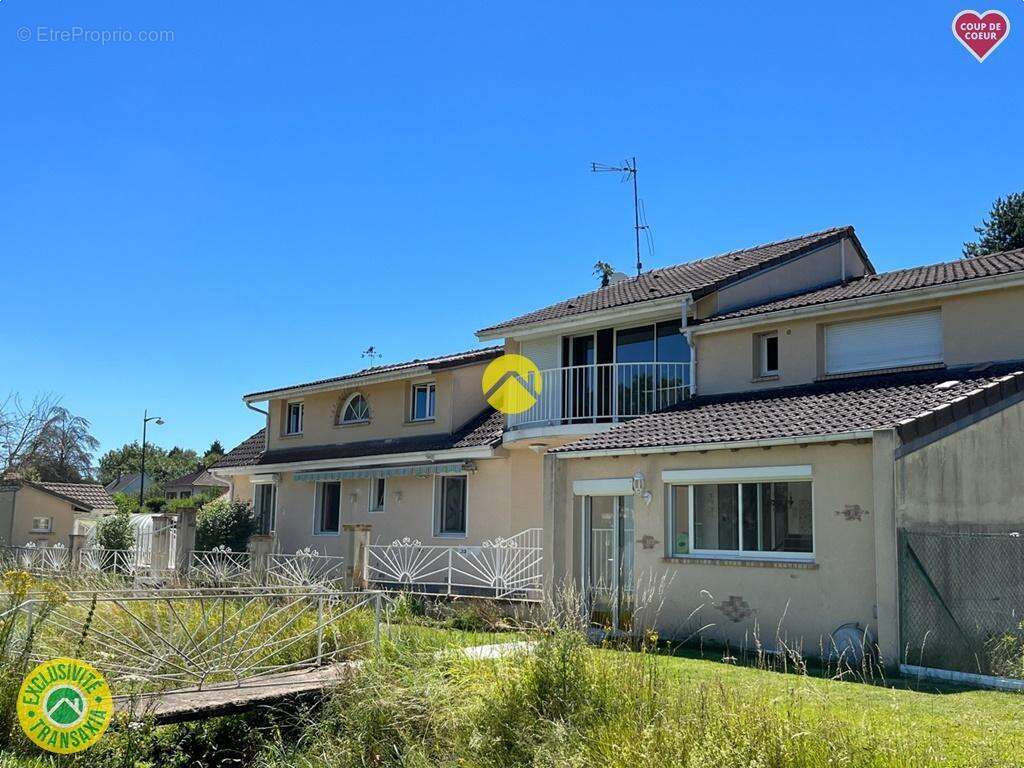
x=146, y=418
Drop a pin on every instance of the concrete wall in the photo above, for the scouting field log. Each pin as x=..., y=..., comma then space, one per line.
x=976, y=328
x=822, y=267
x=969, y=480
x=734, y=601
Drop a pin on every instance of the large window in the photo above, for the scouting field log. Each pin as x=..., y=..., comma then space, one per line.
x=649, y=368
x=356, y=410
x=423, y=401
x=771, y=519
x=450, y=505
x=293, y=420
x=328, y=509
x=265, y=502
x=42, y=524
x=378, y=494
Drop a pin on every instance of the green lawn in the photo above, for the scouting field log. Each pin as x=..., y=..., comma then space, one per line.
x=955, y=722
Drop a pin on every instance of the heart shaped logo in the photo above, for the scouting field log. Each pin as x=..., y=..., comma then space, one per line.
x=981, y=33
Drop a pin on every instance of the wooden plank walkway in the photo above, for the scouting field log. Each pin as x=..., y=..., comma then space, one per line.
x=186, y=704
x=183, y=705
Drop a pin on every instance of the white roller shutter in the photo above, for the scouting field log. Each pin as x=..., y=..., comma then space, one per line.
x=887, y=342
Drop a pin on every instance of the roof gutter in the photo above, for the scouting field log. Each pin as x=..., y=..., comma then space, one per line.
x=361, y=461
x=732, y=446
x=965, y=287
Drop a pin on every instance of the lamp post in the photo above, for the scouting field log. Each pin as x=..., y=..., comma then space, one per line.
x=146, y=418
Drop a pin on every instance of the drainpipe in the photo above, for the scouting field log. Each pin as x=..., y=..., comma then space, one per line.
x=685, y=330
x=266, y=432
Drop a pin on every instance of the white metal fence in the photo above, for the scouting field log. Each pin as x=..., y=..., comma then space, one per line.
x=303, y=569
x=605, y=392
x=511, y=568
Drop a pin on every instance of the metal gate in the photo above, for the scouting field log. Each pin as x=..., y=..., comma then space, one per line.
x=962, y=601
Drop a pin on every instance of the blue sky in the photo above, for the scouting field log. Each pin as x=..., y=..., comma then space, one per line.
x=282, y=185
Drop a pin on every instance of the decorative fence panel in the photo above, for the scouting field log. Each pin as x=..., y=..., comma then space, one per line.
x=509, y=568
x=962, y=601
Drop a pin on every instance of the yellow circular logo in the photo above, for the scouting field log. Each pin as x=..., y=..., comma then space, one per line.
x=64, y=705
x=512, y=383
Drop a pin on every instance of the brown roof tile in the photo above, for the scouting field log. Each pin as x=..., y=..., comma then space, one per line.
x=88, y=495
x=892, y=282
x=484, y=430
x=826, y=408
x=697, y=277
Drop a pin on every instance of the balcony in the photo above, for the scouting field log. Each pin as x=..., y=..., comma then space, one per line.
x=604, y=393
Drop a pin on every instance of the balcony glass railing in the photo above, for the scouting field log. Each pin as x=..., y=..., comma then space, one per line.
x=607, y=392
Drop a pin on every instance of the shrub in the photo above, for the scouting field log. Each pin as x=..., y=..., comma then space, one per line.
x=116, y=531
x=223, y=523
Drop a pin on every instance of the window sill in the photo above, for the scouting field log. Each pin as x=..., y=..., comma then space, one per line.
x=417, y=422
x=289, y=435
x=450, y=536
x=766, y=377
x=362, y=423
x=743, y=562
x=326, y=534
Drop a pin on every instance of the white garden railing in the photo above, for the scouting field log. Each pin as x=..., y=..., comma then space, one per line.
x=511, y=568
x=305, y=568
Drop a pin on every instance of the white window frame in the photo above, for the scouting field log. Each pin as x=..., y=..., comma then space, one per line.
x=344, y=409
x=439, y=506
x=288, y=417
x=373, y=496
x=431, y=387
x=738, y=477
x=318, y=501
x=257, y=484
x=762, y=352
x=47, y=526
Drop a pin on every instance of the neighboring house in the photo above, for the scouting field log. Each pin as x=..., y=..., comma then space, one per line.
x=45, y=514
x=742, y=435
x=128, y=484
x=196, y=483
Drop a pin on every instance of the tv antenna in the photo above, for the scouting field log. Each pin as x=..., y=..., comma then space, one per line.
x=372, y=353
x=628, y=171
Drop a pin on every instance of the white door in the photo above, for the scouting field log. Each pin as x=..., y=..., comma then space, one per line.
x=608, y=559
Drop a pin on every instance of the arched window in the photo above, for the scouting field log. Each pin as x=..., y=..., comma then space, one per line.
x=356, y=410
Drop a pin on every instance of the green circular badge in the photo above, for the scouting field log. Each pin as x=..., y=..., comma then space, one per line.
x=64, y=705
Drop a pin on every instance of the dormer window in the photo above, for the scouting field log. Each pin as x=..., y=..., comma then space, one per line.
x=293, y=418
x=424, y=398
x=356, y=410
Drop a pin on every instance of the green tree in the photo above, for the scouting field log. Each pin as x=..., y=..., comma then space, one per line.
x=213, y=454
x=605, y=270
x=223, y=523
x=1003, y=230
x=161, y=465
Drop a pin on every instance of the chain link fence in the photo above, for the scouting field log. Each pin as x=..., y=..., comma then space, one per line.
x=962, y=601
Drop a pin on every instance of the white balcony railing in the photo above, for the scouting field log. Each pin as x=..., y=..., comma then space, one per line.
x=608, y=392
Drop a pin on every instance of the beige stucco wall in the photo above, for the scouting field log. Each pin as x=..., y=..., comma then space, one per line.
x=969, y=480
x=30, y=502
x=458, y=399
x=488, y=503
x=976, y=328
x=6, y=516
x=809, y=603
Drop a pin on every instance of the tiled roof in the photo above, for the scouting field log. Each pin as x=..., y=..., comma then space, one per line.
x=246, y=453
x=826, y=408
x=88, y=495
x=696, y=277
x=200, y=477
x=433, y=363
x=482, y=431
x=899, y=280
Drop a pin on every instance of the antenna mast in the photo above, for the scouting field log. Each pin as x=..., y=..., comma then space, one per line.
x=628, y=169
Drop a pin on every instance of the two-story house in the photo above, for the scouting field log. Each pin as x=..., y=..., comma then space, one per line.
x=733, y=441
